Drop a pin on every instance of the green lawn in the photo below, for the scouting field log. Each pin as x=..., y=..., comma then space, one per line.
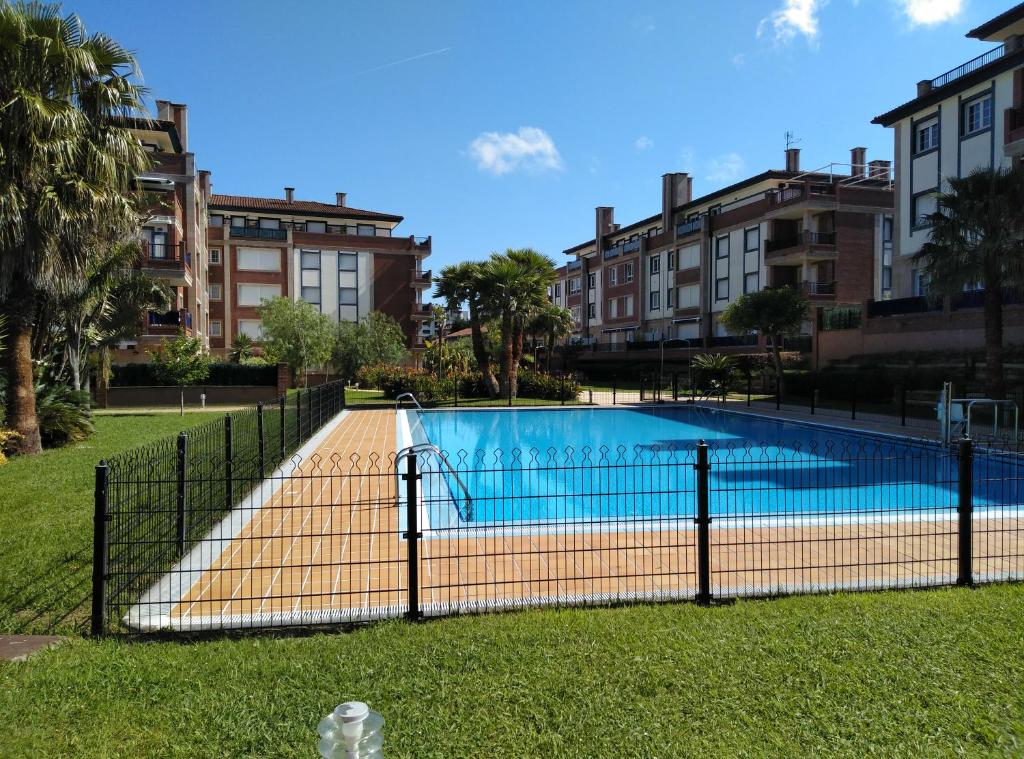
x=46, y=523
x=936, y=673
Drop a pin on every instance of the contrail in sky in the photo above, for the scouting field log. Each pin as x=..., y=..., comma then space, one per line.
x=404, y=60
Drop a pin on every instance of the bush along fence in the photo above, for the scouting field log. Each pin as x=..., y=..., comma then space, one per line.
x=339, y=538
x=156, y=503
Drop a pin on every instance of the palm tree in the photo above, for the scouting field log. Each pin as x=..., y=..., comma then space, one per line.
x=242, y=347
x=462, y=283
x=977, y=238
x=515, y=283
x=64, y=164
x=554, y=323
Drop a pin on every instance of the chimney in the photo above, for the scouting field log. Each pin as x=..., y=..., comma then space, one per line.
x=924, y=87
x=676, y=190
x=793, y=159
x=289, y=194
x=879, y=169
x=339, y=198
x=858, y=158
x=604, y=222
x=178, y=113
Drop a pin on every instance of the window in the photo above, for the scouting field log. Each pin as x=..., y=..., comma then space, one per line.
x=671, y=260
x=216, y=291
x=722, y=288
x=752, y=240
x=613, y=276
x=348, y=261
x=574, y=285
x=612, y=308
x=887, y=230
x=722, y=247
x=689, y=257
x=258, y=259
x=558, y=289
x=366, y=230
x=628, y=305
x=158, y=244
x=215, y=255
x=270, y=223
x=310, y=283
x=689, y=296
x=655, y=300
x=977, y=115
x=216, y=220
x=254, y=295
x=252, y=328
x=921, y=207
x=591, y=310
x=316, y=226
x=715, y=210
x=919, y=282
x=751, y=282
x=627, y=275
x=238, y=221
x=927, y=136
x=216, y=328
x=669, y=297
x=348, y=296
x=575, y=311
x=655, y=265
x=591, y=281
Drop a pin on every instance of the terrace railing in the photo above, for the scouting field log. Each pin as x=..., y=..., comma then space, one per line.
x=966, y=68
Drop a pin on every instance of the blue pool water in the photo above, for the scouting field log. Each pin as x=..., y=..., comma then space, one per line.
x=623, y=466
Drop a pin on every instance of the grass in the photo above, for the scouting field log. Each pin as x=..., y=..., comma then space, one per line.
x=46, y=522
x=934, y=673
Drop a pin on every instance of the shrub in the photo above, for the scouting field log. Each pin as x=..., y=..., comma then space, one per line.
x=251, y=372
x=63, y=413
x=394, y=381
x=547, y=387
x=8, y=441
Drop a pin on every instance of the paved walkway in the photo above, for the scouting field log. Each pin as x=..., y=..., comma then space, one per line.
x=325, y=544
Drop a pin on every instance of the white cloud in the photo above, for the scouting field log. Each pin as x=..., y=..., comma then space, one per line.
x=529, y=149
x=738, y=60
x=793, y=18
x=725, y=168
x=930, y=12
x=686, y=157
x=643, y=142
x=644, y=24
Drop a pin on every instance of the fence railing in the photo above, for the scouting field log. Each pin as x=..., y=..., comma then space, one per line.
x=348, y=538
x=155, y=504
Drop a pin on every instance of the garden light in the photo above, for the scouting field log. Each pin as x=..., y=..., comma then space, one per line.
x=351, y=731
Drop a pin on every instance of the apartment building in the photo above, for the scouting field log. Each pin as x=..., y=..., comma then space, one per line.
x=222, y=255
x=345, y=261
x=671, y=275
x=174, y=234
x=969, y=117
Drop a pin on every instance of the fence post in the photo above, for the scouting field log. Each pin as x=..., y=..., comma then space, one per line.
x=561, y=387
x=182, y=522
x=229, y=490
x=675, y=386
x=281, y=404
x=643, y=384
x=412, y=536
x=853, y=403
x=703, y=521
x=261, y=449
x=614, y=383
x=903, y=406
x=343, y=401
x=319, y=407
x=965, y=508
x=298, y=416
x=509, y=383
x=778, y=393
x=590, y=391
x=455, y=392
x=100, y=549
x=750, y=382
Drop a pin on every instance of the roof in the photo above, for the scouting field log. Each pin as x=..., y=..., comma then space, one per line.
x=152, y=125
x=304, y=207
x=1003, y=20
x=938, y=94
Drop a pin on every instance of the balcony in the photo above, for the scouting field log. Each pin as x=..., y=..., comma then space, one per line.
x=631, y=246
x=169, y=323
x=167, y=163
x=258, y=233
x=656, y=241
x=613, y=252
x=167, y=261
x=966, y=68
x=689, y=227
x=819, y=289
x=799, y=240
x=421, y=278
x=900, y=306
x=422, y=311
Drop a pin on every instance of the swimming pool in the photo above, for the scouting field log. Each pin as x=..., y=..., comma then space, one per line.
x=624, y=468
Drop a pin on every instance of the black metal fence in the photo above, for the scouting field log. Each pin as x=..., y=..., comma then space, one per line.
x=156, y=503
x=336, y=538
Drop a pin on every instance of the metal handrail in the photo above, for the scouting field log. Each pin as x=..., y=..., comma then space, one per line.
x=947, y=403
x=431, y=448
x=398, y=401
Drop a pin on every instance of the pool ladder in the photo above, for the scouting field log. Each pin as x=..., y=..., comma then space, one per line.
x=431, y=448
x=398, y=401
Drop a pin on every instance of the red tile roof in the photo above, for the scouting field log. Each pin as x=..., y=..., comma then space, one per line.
x=280, y=205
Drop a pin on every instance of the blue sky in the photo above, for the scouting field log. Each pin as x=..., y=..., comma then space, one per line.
x=495, y=125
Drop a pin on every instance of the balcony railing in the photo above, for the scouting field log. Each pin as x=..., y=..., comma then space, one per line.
x=630, y=247
x=819, y=288
x=612, y=252
x=688, y=227
x=258, y=233
x=175, y=319
x=422, y=277
x=165, y=254
x=422, y=309
x=966, y=68
x=800, y=238
x=575, y=265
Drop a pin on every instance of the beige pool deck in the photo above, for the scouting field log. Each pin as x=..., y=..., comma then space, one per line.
x=321, y=543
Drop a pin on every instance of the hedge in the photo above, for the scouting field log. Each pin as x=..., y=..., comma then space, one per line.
x=142, y=375
x=427, y=388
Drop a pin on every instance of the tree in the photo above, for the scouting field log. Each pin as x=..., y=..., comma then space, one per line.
x=773, y=313
x=377, y=339
x=554, y=323
x=977, y=238
x=242, y=348
x=65, y=162
x=463, y=283
x=297, y=334
x=712, y=373
x=180, y=362
x=515, y=284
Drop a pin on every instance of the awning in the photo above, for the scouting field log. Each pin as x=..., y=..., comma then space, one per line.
x=622, y=329
x=687, y=320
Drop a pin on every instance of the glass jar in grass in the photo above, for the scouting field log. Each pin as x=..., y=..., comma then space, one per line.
x=351, y=731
